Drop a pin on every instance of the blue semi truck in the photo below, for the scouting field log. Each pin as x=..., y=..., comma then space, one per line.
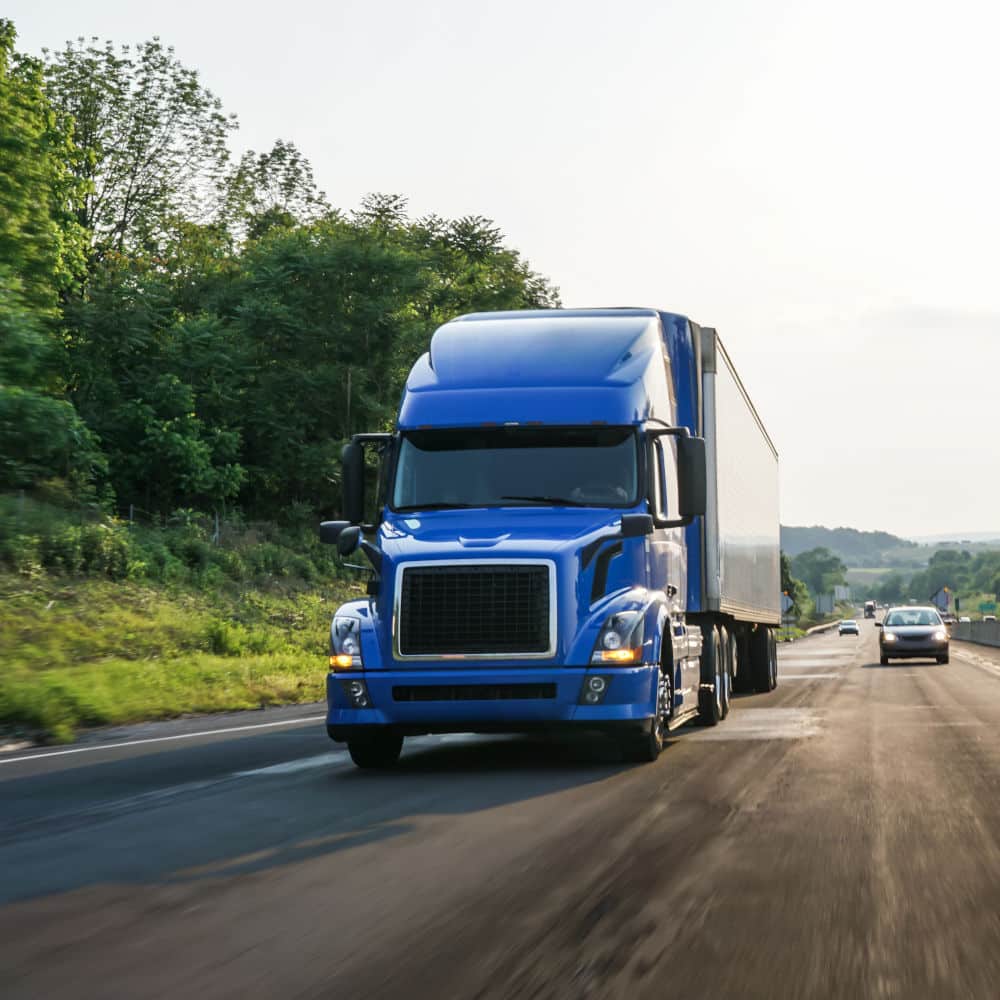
x=574, y=524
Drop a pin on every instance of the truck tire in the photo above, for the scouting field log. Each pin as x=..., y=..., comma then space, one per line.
x=727, y=647
x=709, y=691
x=763, y=659
x=742, y=672
x=379, y=750
x=643, y=746
x=774, y=658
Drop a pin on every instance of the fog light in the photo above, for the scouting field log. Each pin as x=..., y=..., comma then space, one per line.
x=594, y=688
x=357, y=693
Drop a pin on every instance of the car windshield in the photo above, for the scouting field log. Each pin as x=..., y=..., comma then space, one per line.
x=849, y=621
x=916, y=616
x=517, y=466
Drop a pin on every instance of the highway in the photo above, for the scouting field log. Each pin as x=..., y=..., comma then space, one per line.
x=836, y=838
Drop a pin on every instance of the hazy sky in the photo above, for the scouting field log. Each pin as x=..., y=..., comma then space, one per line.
x=817, y=180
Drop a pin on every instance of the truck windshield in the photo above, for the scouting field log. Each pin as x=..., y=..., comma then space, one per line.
x=517, y=466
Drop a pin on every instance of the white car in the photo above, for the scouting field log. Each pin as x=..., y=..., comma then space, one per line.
x=849, y=627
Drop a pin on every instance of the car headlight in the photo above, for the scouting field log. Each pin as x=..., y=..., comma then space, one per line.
x=345, y=643
x=620, y=639
x=889, y=636
x=940, y=635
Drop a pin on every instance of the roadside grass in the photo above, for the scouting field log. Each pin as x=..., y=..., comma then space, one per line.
x=85, y=652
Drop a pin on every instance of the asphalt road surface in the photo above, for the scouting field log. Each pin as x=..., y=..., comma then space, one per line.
x=837, y=838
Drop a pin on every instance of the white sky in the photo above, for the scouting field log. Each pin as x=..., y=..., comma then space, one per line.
x=817, y=180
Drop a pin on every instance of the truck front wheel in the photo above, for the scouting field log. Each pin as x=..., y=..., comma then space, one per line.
x=710, y=691
x=379, y=750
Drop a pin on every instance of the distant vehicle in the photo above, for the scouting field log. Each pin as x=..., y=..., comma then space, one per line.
x=989, y=618
x=910, y=632
x=963, y=619
x=869, y=609
x=849, y=627
x=948, y=618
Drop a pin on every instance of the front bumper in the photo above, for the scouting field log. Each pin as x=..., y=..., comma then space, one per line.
x=908, y=650
x=486, y=700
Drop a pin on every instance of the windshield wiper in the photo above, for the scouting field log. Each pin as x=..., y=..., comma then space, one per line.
x=558, y=501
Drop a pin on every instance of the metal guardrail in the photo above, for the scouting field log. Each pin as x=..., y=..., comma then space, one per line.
x=984, y=633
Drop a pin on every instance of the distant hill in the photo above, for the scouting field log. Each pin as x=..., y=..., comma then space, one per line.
x=856, y=548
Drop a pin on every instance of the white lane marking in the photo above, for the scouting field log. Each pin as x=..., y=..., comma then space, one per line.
x=294, y=766
x=810, y=664
x=805, y=677
x=976, y=661
x=165, y=739
x=763, y=724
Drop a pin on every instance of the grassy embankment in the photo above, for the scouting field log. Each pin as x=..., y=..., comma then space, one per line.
x=103, y=624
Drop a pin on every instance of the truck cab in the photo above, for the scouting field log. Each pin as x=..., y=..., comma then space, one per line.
x=528, y=541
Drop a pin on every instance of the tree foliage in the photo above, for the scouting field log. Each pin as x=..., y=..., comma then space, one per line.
x=153, y=140
x=216, y=326
x=40, y=247
x=819, y=569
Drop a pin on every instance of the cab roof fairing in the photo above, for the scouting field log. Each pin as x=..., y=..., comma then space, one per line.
x=557, y=367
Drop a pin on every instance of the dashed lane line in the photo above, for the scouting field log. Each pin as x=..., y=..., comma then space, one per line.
x=164, y=739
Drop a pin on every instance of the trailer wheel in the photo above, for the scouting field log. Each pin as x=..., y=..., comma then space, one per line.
x=742, y=670
x=774, y=658
x=763, y=659
x=710, y=689
x=727, y=648
x=380, y=750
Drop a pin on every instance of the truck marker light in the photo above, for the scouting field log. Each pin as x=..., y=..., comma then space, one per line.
x=621, y=655
x=341, y=661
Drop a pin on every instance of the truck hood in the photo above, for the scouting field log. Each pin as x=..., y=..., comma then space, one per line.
x=492, y=531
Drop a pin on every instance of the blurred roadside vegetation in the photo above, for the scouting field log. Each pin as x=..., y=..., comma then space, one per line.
x=107, y=623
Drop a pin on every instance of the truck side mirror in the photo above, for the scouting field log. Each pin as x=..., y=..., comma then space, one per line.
x=692, y=476
x=329, y=531
x=349, y=540
x=636, y=525
x=353, y=473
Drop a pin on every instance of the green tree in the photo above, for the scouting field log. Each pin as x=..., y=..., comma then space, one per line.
x=154, y=140
x=276, y=188
x=793, y=587
x=819, y=569
x=889, y=589
x=41, y=435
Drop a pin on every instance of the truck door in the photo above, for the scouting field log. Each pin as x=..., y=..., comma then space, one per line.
x=666, y=570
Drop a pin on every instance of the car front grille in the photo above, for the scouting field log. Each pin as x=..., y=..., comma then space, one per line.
x=493, y=609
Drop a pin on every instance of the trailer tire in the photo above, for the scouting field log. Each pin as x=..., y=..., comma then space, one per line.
x=727, y=647
x=774, y=658
x=709, y=706
x=378, y=751
x=743, y=673
x=763, y=659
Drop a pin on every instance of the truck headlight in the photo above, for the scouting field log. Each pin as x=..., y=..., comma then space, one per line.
x=889, y=636
x=620, y=639
x=345, y=643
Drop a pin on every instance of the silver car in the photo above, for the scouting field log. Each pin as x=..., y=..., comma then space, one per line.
x=910, y=632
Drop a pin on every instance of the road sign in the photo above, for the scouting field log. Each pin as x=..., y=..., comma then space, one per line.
x=786, y=603
x=987, y=606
